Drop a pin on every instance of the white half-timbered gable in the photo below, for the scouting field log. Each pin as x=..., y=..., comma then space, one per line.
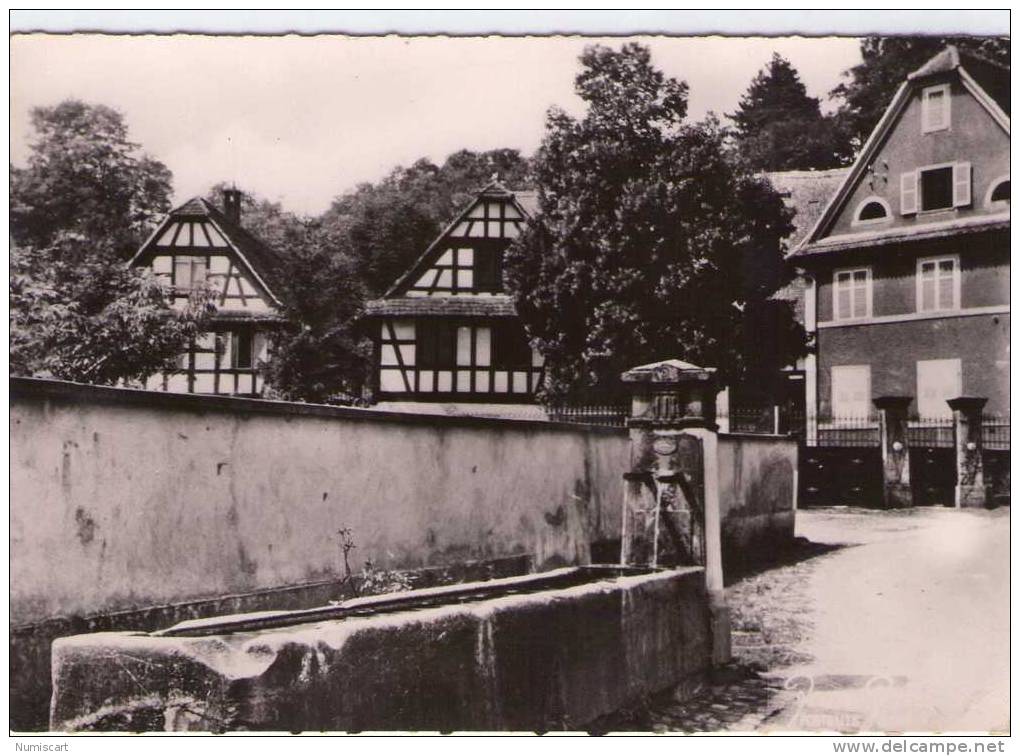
x=447, y=330
x=195, y=247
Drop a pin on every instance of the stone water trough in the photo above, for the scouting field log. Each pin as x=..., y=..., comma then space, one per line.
x=549, y=651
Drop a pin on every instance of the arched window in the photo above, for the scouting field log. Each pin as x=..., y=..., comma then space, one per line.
x=998, y=193
x=872, y=210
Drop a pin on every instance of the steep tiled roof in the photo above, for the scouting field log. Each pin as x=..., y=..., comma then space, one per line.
x=497, y=306
x=528, y=200
x=266, y=261
x=808, y=193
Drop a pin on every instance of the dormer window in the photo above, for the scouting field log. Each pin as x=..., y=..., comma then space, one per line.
x=935, y=103
x=872, y=210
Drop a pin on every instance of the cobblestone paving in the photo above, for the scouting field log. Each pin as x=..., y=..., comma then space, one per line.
x=770, y=619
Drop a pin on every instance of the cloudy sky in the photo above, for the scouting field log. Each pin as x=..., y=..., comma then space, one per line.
x=302, y=119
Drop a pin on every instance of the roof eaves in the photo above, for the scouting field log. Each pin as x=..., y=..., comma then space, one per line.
x=896, y=236
x=877, y=137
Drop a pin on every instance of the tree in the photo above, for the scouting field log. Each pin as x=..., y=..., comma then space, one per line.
x=649, y=243
x=780, y=128
x=320, y=352
x=885, y=64
x=389, y=224
x=80, y=314
x=85, y=200
x=85, y=176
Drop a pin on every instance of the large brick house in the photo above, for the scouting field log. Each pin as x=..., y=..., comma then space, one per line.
x=907, y=269
x=196, y=246
x=447, y=333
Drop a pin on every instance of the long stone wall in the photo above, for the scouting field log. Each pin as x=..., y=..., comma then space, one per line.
x=124, y=499
x=134, y=510
x=130, y=508
x=757, y=489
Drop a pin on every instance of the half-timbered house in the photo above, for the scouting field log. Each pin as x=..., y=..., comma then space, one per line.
x=447, y=331
x=198, y=246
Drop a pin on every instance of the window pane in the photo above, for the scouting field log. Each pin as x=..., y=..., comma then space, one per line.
x=843, y=303
x=197, y=272
x=860, y=277
x=946, y=266
x=927, y=269
x=241, y=350
x=464, y=345
x=934, y=102
x=946, y=293
x=486, y=270
x=927, y=294
x=860, y=303
x=937, y=188
x=483, y=346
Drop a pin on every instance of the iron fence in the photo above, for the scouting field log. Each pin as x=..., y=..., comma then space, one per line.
x=930, y=432
x=750, y=419
x=856, y=432
x=605, y=415
x=995, y=432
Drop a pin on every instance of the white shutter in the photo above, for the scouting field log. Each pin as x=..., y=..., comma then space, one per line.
x=908, y=192
x=961, y=184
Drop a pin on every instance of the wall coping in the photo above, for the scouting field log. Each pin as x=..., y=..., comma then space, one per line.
x=69, y=391
x=772, y=437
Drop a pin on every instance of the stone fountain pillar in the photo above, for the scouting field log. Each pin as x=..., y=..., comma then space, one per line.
x=671, y=499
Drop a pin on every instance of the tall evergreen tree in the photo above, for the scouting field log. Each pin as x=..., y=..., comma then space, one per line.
x=779, y=127
x=885, y=64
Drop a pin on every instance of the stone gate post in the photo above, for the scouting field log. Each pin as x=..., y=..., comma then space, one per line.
x=896, y=490
x=971, y=490
x=671, y=502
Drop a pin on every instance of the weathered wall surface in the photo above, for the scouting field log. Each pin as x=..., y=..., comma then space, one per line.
x=126, y=499
x=980, y=342
x=756, y=494
x=550, y=660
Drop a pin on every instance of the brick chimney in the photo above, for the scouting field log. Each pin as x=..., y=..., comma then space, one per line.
x=232, y=205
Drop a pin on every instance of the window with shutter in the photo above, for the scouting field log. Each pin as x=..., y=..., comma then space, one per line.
x=852, y=294
x=961, y=184
x=908, y=193
x=938, y=284
x=935, y=104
